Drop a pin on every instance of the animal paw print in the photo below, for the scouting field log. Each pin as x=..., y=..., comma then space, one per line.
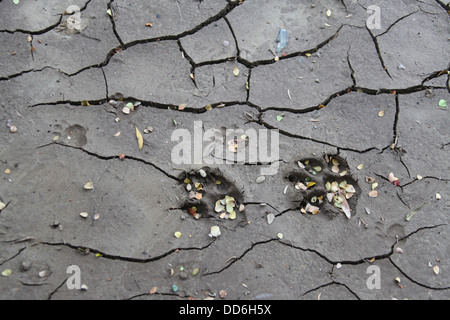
x=324, y=186
x=211, y=195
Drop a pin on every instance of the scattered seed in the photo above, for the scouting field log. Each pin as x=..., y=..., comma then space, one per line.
x=270, y=218
x=436, y=269
x=261, y=179
x=84, y=215
x=202, y=173
x=373, y=194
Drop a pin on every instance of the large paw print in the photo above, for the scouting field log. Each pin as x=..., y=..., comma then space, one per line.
x=211, y=195
x=324, y=186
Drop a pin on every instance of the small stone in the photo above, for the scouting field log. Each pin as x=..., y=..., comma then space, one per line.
x=223, y=294
x=183, y=275
x=55, y=224
x=25, y=265
x=84, y=215
x=226, y=43
x=84, y=287
x=13, y=129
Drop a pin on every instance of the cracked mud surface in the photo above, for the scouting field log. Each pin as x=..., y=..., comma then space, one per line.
x=339, y=89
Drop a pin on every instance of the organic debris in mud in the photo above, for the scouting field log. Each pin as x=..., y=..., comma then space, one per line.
x=139, y=139
x=226, y=208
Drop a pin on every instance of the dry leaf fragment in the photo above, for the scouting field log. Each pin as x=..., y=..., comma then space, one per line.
x=236, y=71
x=310, y=184
x=7, y=273
x=345, y=205
x=2, y=206
x=381, y=113
x=139, y=138
x=360, y=167
x=312, y=209
x=198, y=196
x=153, y=290
x=148, y=24
x=177, y=234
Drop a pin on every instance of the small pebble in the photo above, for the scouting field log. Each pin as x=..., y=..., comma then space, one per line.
x=223, y=294
x=226, y=43
x=183, y=275
x=25, y=265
